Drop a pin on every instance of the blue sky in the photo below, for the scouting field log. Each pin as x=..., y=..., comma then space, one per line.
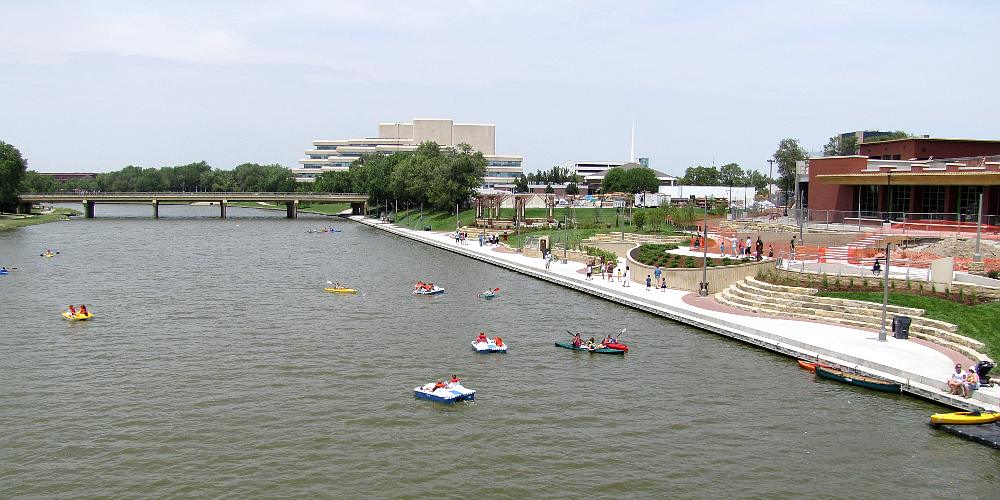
x=94, y=86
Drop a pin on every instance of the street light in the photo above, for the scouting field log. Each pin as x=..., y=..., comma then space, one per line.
x=703, y=289
x=885, y=292
x=770, y=178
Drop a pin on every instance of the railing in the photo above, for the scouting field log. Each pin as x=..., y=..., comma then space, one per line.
x=192, y=194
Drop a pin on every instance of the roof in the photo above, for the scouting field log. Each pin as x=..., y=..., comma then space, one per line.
x=930, y=139
x=989, y=178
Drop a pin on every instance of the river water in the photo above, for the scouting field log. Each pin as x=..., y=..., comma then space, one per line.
x=216, y=366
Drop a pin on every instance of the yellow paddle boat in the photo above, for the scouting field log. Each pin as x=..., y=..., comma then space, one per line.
x=78, y=316
x=964, y=418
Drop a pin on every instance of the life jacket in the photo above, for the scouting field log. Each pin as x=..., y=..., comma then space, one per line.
x=498, y=341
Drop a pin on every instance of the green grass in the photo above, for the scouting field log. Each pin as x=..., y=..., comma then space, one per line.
x=10, y=221
x=438, y=221
x=978, y=322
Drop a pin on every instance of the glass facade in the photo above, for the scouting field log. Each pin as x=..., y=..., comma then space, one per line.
x=868, y=201
x=932, y=201
x=968, y=200
x=899, y=199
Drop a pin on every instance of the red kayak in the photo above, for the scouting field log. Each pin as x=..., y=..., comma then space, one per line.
x=616, y=346
x=808, y=365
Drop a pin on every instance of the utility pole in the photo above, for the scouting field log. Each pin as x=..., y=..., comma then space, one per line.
x=703, y=289
x=565, y=238
x=770, y=177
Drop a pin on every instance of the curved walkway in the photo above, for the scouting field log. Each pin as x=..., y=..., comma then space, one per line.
x=920, y=369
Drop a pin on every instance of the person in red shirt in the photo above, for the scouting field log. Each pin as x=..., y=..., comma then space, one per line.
x=454, y=380
x=482, y=338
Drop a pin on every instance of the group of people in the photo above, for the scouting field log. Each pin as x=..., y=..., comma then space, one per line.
x=81, y=312
x=427, y=287
x=963, y=383
x=593, y=344
x=749, y=248
x=441, y=384
x=483, y=338
x=489, y=239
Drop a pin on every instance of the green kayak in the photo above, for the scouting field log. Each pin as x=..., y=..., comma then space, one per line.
x=569, y=345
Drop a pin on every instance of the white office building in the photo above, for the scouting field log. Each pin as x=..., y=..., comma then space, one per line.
x=336, y=155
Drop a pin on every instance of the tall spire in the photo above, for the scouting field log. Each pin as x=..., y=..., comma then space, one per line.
x=631, y=147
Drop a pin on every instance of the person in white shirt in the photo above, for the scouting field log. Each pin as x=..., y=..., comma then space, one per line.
x=957, y=381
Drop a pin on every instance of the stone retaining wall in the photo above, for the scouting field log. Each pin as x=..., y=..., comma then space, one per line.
x=898, y=284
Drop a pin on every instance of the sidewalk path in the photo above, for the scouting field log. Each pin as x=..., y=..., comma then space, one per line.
x=920, y=369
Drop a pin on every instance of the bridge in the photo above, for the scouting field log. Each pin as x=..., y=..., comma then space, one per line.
x=359, y=202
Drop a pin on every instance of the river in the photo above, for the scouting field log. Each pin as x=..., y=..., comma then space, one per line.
x=217, y=366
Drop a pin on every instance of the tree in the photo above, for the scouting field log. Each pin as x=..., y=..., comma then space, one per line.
x=521, y=184
x=12, y=169
x=642, y=179
x=34, y=182
x=758, y=180
x=891, y=136
x=549, y=189
x=731, y=175
x=789, y=151
x=839, y=145
x=639, y=219
x=572, y=189
x=700, y=176
x=334, y=182
x=616, y=180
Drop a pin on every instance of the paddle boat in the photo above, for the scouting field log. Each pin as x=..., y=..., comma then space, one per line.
x=489, y=294
x=4, y=271
x=434, y=290
x=605, y=350
x=495, y=344
x=451, y=393
x=77, y=316
x=964, y=418
x=858, y=380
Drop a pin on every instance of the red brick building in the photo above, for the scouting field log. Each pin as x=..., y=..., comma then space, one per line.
x=917, y=178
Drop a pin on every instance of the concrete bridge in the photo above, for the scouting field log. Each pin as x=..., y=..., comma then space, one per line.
x=359, y=202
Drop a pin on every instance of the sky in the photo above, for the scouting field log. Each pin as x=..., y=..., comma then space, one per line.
x=94, y=86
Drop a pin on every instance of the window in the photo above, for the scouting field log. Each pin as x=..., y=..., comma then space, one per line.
x=868, y=201
x=968, y=200
x=899, y=200
x=932, y=202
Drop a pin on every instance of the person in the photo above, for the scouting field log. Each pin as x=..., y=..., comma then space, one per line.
x=792, y=245
x=498, y=341
x=956, y=381
x=656, y=274
x=760, y=249
x=83, y=310
x=72, y=311
x=439, y=385
x=649, y=282
x=590, y=271
x=611, y=271
x=454, y=380
x=548, y=260
x=625, y=279
x=591, y=344
x=733, y=246
x=740, y=249
x=876, y=268
x=663, y=285
x=971, y=382
x=770, y=251
x=482, y=338
x=607, y=339
x=749, y=245
x=722, y=246
x=577, y=340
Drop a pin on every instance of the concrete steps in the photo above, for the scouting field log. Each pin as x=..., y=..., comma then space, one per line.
x=802, y=303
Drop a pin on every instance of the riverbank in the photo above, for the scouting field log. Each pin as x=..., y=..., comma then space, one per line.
x=921, y=370
x=11, y=221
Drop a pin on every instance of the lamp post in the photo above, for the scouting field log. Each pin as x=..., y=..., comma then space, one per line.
x=703, y=289
x=770, y=178
x=565, y=238
x=888, y=197
x=885, y=293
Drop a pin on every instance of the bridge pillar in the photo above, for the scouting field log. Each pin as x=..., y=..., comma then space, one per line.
x=24, y=207
x=156, y=209
x=88, y=209
x=222, y=209
x=292, y=209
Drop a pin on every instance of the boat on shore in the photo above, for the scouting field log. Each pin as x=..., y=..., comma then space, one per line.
x=450, y=394
x=964, y=418
x=858, y=380
x=811, y=365
x=570, y=346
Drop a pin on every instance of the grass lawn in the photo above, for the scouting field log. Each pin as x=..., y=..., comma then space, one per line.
x=438, y=221
x=10, y=221
x=978, y=322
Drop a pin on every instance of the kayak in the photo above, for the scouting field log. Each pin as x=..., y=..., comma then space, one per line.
x=77, y=317
x=569, y=345
x=433, y=291
x=488, y=347
x=340, y=290
x=964, y=418
x=858, y=380
x=616, y=346
x=454, y=392
x=811, y=366
x=49, y=255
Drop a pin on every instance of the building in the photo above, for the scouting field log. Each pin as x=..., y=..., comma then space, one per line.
x=912, y=179
x=337, y=155
x=559, y=189
x=594, y=180
x=69, y=176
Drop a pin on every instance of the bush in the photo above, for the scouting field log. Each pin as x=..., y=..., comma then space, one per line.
x=649, y=252
x=825, y=282
x=993, y=274
x=597, y=252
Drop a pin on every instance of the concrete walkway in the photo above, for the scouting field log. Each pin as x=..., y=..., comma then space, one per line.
x=920, y=369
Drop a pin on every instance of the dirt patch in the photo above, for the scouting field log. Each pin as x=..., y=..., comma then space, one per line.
x=960, y=247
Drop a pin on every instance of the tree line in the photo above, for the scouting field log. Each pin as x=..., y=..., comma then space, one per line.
x=432, y=176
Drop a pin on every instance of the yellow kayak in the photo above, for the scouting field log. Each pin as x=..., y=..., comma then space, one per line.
x=964, y=417
x=77, y=317
x=341, y=290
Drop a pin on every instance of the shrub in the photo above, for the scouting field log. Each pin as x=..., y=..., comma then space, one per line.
x=689, y=261
x=825, y=282
x=850, y=281
x=993, y=274
x=961, y=295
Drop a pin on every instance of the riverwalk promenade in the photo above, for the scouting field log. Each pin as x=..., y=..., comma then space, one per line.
x=921, y=368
